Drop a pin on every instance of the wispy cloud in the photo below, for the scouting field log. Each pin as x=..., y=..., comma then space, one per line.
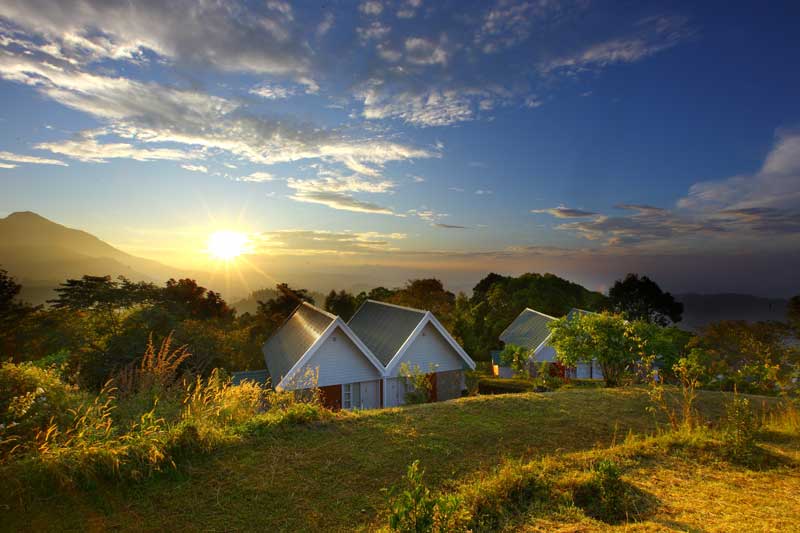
x=30, y=159
x=195, y=168
x=565, y=212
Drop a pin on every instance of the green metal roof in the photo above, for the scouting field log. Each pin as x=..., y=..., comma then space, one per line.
x=528, y=330
x=287, y=345
x=384, y=327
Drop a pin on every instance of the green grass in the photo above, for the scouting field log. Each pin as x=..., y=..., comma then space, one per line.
x=327, y=476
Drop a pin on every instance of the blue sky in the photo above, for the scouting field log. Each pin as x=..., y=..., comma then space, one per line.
x=445, y=138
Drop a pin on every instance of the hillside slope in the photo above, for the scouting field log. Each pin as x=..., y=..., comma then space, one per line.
x=329, y=476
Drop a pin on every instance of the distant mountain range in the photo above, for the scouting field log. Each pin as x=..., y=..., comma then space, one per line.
x=41, y=254
x=702, y=309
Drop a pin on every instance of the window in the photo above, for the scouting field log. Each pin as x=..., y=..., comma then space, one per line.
x=347, y=396
x=351, y=396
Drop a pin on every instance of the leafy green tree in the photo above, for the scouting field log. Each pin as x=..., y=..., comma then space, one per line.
x=428, y=294
x=640, y=298
x=515, y=357
x=341, y=303
x=610, y=339
x=274, y=312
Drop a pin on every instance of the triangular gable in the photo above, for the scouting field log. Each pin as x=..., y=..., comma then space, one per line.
x=338, y=323
x=429, y=318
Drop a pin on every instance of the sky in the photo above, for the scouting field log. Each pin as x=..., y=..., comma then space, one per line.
x=391, y=139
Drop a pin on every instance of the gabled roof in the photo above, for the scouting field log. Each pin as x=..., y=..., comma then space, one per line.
x=528, y=330
x=294, y=338
x=575, y=311
x=296, y=341
x=388, y=330
x=384, y=327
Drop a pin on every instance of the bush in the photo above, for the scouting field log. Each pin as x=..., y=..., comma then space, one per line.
x=418, y=384
x=31, y=400
x=607, y=497
x=412, y=507
x=740, y=425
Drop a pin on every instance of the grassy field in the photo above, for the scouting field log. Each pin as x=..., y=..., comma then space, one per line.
x=328, y=476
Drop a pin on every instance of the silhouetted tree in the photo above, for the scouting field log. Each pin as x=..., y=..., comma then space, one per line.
x=428, y=294
x=341, y=303
x=9, y=290
x=640, y=298
x=186, y=296
x=273, y=312
x=793, y=313
x=380, y=294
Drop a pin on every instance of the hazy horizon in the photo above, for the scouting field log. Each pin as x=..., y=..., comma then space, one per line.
x=376, y=141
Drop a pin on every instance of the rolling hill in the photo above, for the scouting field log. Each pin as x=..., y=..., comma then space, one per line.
x=41, y=254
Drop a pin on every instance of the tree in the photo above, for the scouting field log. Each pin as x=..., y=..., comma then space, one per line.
x=341, y=303
x=188, y=298
x=793, y=314
x=428, y=294
x=515, y=357
x=614, y=342
x=640, y=298
x=274, y=312
x=9, y=290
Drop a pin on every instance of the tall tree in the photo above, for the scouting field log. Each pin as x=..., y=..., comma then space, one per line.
x=428, y=294
x=341, y=303
x=185, y=296
x=273, y=312
x=793, y=314
x=640, y=298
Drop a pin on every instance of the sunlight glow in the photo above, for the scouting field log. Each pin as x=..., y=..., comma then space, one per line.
x=227, y=245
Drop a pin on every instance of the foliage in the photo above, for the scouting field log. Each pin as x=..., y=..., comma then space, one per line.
x=740, y=426
x=189, y=300
x=413, y=509
x=341, y=303
x=515, y=357
x=274, y=312
x=428, y=294
x=31, y=399
x=751, y=357
x=689, y=372
x=156, y=368
x=607, y=497
x=793, y=314
x=497, y=300
x=640, y=298
x=609, y=339
x=419, y=386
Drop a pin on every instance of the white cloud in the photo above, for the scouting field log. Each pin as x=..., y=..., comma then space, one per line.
x=483, y=192
x=422, y=51
x=434, y=108
x=227, y=36
x=195, y=168
x=7, y=165
x=257, y=177
x=565, y=212
x=272, y=92
x=20, y=158
x=325, y=25
x=371, y=7
x=340, y=201
x=375, y=30
x=86, y=148
x=651, y=35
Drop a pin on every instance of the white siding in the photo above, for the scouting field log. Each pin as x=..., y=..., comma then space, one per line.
x=545, y=353
x=370, y=394
x=583, y=371
x=597, y=370
x=395, y=392
x=430, y=348
x=339, y=360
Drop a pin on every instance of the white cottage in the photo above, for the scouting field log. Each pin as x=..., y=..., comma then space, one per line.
x=316, y=348
x=529, y=330
x=397, y=335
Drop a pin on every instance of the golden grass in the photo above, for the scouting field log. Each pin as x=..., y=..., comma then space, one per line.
x=327, y=475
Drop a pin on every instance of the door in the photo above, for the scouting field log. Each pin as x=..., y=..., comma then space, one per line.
x=370, y=394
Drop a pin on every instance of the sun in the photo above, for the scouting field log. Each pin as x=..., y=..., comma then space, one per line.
x=227, y=245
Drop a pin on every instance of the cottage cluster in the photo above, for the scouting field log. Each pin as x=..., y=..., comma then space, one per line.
x=357, y=364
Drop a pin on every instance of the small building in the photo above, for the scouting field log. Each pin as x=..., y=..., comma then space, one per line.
x=499, y=369
x=530, y=330
x=397, y=335
x=314, y=348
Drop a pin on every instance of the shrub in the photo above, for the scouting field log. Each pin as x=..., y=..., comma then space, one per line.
x=607, y=497
x=513, y=488
x=31, y=400
x=412, y=507
x=418, y=384
x=740, y=427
